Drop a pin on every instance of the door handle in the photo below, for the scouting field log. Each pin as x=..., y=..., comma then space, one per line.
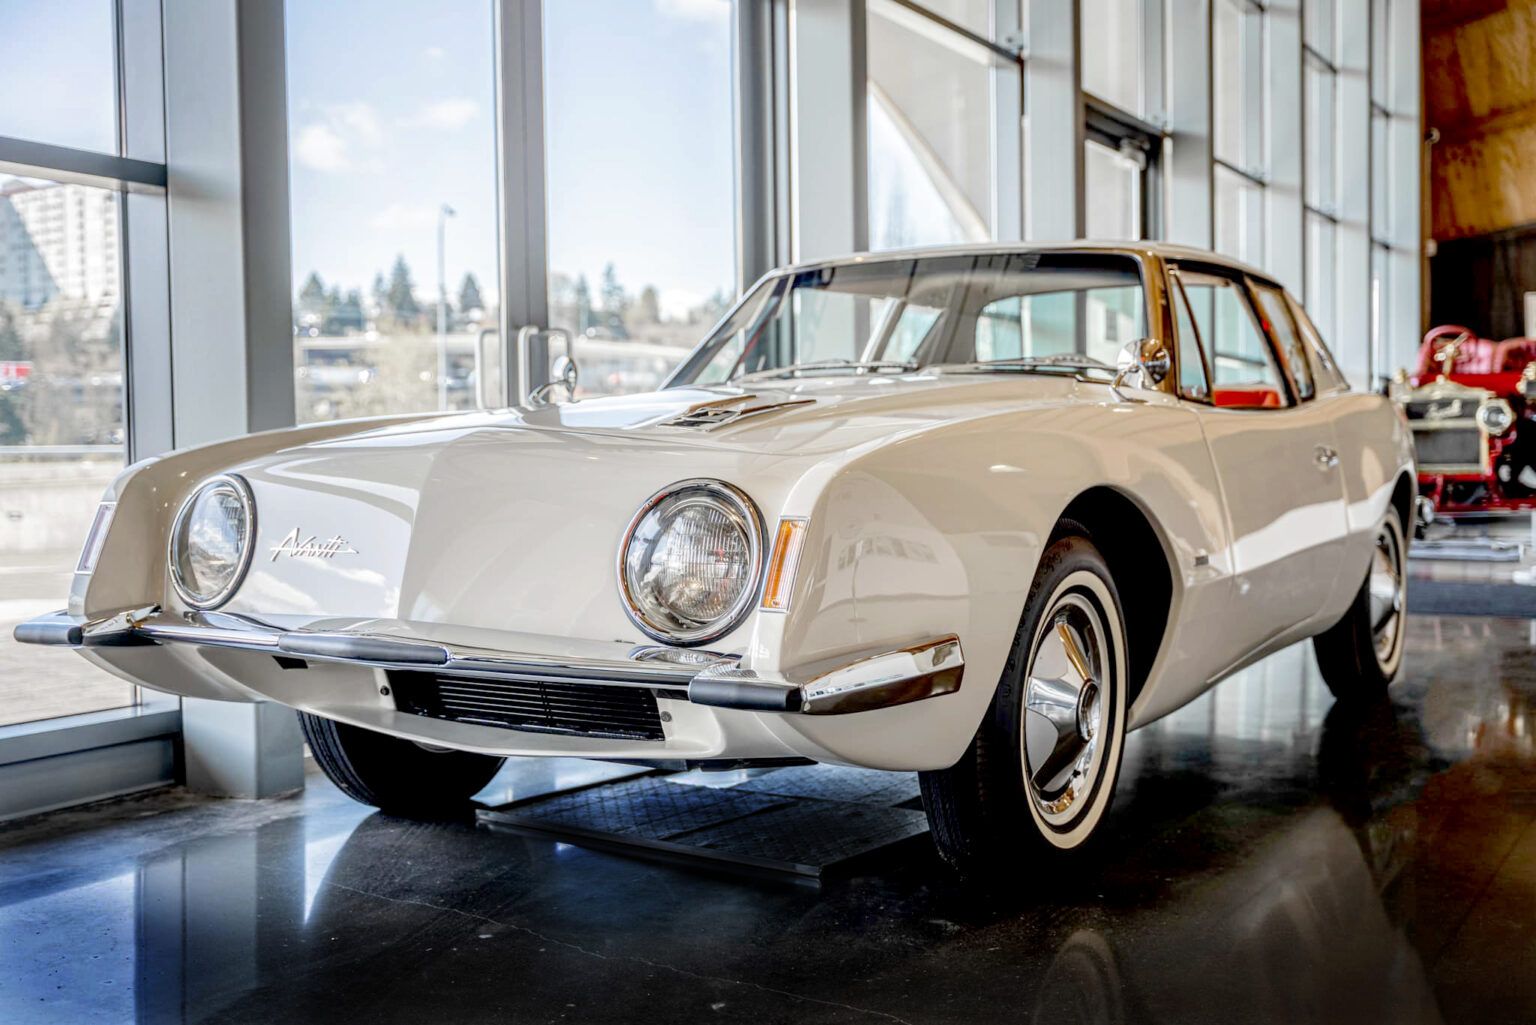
x=1325, y=457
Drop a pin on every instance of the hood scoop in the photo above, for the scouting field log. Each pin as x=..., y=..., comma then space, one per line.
x=716, y=413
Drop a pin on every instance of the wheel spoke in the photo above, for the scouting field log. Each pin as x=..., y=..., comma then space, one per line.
x=1054, y=690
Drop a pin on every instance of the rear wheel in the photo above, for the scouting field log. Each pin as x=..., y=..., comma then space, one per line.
x=1360, y=654
x=399, y=776
x=1041, y=771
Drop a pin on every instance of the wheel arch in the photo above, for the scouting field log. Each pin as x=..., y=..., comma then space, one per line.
x=1403, y=494
x=1137, y=552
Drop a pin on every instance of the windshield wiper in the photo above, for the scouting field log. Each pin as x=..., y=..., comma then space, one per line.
x=795, y=369
x=1058, y=361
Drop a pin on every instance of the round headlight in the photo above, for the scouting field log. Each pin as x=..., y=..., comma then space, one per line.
x=691, y=562
x=211, y=541
x=1495, y=417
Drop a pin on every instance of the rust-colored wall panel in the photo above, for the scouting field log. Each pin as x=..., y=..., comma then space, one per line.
x=1480, y=93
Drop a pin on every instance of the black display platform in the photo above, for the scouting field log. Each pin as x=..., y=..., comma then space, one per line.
x=807, y=822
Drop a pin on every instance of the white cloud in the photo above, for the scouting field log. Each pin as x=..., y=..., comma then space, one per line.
x=403, y=216
x=434, y=53
x=360, y=119
x=319, y=148
x=695, y=10
x=332, y=143
x=446, y=115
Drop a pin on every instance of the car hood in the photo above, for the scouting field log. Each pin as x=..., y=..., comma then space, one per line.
x=819, y=414
x=513, y=520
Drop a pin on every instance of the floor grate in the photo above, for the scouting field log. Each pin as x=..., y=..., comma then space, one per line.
x=807, y=822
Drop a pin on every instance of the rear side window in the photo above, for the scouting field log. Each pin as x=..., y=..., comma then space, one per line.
x=1244, y=374
x=1282, y=328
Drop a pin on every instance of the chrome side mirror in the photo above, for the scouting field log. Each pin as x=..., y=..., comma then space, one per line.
x=563, y=372
x=1144, y=363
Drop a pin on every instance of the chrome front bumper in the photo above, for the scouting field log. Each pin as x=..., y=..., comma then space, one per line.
x=853, y=683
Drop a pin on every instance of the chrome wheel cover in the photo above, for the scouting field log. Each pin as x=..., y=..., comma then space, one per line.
x=1386, y=588
x=1065, y=707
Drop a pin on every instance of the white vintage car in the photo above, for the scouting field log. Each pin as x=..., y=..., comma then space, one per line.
x=973, y=512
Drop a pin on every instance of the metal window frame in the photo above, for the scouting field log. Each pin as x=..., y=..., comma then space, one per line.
x=72, y=759
x=1109, y=125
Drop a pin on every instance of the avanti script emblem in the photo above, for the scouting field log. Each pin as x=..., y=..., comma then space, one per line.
x=297, y=546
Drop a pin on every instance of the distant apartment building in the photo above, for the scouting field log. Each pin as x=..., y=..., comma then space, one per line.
x=57, y=242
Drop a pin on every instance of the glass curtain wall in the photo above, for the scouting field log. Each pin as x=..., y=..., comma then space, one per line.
x=1122, y=96
x=1237, y=70
x=1320, y=86
x=392, y=185
x=63, y=428
x=638, y=143
x=932, y=127
x=1382, y=186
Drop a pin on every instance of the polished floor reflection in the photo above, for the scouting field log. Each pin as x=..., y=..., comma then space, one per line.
x=1272, y=859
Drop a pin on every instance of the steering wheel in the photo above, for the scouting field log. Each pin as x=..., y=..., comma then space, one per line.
x=1445, y=344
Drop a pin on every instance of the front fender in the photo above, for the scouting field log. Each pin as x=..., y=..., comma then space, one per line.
x=131, y=570
x=941, y=532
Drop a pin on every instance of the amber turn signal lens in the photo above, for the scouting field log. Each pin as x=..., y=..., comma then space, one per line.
x=781, y=568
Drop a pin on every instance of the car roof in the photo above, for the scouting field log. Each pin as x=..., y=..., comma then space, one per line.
x=1166, y=250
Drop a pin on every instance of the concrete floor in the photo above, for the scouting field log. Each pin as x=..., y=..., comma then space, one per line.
x=1270, y=859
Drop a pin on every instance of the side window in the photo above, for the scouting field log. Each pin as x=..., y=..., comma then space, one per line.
x=1244, y=374
x=1325, y=370
x=1282, y=328
x=1193, y=383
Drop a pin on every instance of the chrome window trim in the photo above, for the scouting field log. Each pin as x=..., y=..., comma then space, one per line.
x=242, y=490
x=743, y=505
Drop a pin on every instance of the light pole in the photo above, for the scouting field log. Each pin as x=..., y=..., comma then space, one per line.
x=444, y=211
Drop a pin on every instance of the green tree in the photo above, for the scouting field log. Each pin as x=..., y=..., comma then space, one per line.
x=13, y=428
x=346, y=313
x=469, y=295
x=313, y=290
x=615, y=302
x=648, y=306
x=583, y=305
x=402, y=292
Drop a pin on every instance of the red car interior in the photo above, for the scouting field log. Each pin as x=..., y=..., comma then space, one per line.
x=1255, y=396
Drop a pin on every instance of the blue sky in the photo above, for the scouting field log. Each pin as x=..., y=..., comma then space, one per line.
x=57, y=71
x=391, y=115
x=391, y=106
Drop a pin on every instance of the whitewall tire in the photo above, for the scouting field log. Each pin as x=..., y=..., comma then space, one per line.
x=1360, y=655
x=1040, y=774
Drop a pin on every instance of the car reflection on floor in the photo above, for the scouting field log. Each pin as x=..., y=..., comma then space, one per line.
x=1273, y=858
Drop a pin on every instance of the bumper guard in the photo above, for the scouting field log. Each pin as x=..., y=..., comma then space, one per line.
x=853, y=683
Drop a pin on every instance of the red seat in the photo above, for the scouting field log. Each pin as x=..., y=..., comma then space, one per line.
x=1476, y=355
x=1515, y=354
x=1248, y=396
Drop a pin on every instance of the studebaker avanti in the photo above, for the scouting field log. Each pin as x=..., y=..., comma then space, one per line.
x=971, y=512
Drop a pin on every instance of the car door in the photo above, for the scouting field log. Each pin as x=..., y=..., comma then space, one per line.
x=1273, y=447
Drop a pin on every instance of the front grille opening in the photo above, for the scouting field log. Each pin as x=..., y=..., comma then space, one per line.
x=533, y=706
x=1450, y=447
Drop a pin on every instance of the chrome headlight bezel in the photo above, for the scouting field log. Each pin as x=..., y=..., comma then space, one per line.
x=242, y=491
x=1502, y=410
x=735, y=502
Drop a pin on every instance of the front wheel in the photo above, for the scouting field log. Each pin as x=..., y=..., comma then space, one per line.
x=399, y=776
x=1360, y=654
x=1039, y=775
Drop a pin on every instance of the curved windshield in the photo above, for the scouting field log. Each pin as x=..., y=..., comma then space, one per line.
x=1047, y=311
